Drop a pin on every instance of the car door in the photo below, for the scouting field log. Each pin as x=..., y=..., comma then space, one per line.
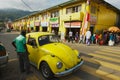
x=32, y=49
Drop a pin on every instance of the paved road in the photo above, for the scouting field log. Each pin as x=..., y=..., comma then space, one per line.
x=101, y=63
x=106, y=56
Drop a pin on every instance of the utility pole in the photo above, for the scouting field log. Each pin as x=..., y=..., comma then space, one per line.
x=70, y=23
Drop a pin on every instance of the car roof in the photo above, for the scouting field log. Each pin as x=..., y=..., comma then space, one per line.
x=36, y=34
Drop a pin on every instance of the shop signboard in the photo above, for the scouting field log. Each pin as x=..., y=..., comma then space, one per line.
x=93, y=19
x=44, y=24
x=37, y=23
x=72, y=24
x=55, y=25
x=31, y=24
x=54, y=20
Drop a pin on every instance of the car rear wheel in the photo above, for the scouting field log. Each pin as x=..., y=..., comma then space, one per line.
x=46, y=71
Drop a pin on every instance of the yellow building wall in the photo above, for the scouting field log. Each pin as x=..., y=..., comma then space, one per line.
x=78, y=16
x=105, y=17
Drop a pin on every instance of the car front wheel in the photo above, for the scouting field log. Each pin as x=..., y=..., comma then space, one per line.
x=46, y=71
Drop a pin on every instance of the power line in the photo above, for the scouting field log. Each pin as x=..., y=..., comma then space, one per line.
x=26, y=5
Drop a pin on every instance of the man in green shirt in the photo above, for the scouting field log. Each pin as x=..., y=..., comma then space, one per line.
x=20, y=44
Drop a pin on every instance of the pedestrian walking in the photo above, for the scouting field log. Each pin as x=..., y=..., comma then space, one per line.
x=81, y=38
x=93, y=38
x=76, y=37
x=88, y=36
x=70, y=37
x=20, y=44
x=96, y=38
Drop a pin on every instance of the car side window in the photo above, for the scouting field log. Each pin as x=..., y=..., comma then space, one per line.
x=32, y=42
x=44, y=40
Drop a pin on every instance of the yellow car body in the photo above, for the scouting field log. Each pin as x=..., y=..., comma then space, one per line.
x=60, y=58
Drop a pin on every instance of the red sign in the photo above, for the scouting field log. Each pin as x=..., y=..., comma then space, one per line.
x=37, y=23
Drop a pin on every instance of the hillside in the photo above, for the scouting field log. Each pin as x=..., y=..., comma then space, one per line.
x=12, y=14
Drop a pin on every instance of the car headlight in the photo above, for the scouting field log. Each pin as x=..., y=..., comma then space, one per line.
x=79, y=56
x=59, y=65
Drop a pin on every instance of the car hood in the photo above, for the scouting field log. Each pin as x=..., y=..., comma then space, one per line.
x=63, y=52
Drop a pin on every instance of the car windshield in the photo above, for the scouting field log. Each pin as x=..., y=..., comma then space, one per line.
x=46, y=39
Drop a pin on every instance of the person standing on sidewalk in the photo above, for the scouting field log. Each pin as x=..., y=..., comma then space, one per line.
x=88, y=36
x=81, y=38
x=70, y=36
x=20, y=44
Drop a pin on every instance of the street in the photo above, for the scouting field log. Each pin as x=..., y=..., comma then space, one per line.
x=100, y=62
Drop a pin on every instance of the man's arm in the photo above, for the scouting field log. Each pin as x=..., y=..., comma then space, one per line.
x=13, y=43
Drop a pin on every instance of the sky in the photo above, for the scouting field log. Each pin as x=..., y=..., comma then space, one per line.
x=34, y=5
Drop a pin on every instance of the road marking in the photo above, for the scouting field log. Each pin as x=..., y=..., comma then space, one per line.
x=113, y=49
x=109, y=65
x=15, y=59
x=109, y=75
x=107, y=54
x=89, y=59
x=101, y=73
x=103, y=63
x=110, y=51
x=105, y=57
x=92, y=71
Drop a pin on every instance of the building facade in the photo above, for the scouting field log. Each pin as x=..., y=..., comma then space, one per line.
x=71, y=16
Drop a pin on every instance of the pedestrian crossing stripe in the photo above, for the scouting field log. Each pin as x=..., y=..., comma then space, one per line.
x=89, y=60
x=105, y=57
x=101, y=73
x=14, y=59
x=106, y=54
x=111, y=51
x=109, y=75
x=109, y=65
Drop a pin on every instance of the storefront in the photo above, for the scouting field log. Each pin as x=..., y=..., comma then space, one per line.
x=37, y=26
x=31, y=26
x=72, y=26
x=44, y=26
x=28, y=27
x=54, y=22
x=93, y=21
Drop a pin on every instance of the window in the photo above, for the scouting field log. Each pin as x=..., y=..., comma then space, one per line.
x=73, y=9
x=68, y=10
x=47, y=39
x=44, y=16
x=32, y=42
x=31, y=19
x=44, y=40
x=37, y=18
x=54, y=14
x=79, y=8
x=93, y=9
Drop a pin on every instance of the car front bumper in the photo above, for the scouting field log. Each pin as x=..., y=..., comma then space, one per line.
x=69, y=70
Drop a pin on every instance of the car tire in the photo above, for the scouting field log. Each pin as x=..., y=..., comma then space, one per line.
x=46, y=71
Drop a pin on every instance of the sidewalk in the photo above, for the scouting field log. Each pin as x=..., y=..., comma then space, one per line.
x=70, y=43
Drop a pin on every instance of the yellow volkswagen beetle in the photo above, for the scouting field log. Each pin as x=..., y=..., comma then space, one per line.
x=50, y=56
